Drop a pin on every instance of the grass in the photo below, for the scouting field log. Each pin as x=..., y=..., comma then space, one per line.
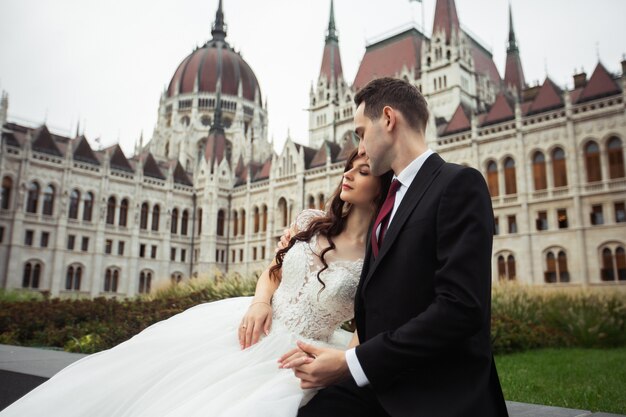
x=588, y=379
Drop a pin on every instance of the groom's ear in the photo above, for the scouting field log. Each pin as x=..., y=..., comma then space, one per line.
x=390, y=118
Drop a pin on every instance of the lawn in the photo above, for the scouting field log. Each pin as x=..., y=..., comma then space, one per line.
x=588, y=379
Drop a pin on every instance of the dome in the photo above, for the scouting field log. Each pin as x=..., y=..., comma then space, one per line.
x=215, y=60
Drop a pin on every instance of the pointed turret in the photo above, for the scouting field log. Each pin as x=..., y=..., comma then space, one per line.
x=513, y=73
x=446, y=18
x=219, y=27
x=331, y=60
x=217, y=146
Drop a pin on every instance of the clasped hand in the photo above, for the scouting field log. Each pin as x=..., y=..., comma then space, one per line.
x=316, y=367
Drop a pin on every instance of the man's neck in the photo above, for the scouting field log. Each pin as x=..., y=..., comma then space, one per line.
x=408, y=149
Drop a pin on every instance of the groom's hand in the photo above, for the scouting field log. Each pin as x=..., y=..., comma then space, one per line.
x=322, y=366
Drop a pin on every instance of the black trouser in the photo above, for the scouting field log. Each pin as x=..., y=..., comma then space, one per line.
x=345, y=399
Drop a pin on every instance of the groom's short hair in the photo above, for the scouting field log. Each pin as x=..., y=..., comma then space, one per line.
x=399, y=95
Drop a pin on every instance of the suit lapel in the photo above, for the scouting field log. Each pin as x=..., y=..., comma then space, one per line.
x=414, y=194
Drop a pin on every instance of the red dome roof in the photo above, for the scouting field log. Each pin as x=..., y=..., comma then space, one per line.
x=206, y=64
x=215, y=60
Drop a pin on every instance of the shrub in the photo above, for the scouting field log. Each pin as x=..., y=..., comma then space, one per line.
x=526, y=317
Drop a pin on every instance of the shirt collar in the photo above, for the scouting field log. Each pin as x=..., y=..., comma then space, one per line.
x=408, y=174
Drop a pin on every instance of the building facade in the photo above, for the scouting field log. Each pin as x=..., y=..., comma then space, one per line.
x=208, y=194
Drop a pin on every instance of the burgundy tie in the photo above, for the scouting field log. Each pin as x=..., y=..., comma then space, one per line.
x=383, y=216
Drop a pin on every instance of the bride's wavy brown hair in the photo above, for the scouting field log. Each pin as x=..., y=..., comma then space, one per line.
x=332, y=223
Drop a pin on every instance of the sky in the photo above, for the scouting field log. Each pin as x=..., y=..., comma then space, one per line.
x=105, y=64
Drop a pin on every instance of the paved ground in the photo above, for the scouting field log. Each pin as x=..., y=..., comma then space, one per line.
x=22, y=369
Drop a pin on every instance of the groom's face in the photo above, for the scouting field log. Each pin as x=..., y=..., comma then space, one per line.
x=372, y=140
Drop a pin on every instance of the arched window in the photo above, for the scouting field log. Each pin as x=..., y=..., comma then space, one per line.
x=33, y=197
x=243, y=222
x=156, y=211
x=311, y=202
x=176, y=278
x=32, y=273
x=73, y=278
x=510, y=266
x=235, y=223
x=111, y=203
x=5, y=197
x=616, y=158
x=321, y=202
x=48, y=200
x=282, y=208
x=123, y=220
x=592, y=162
x=556, y=267
x=620, y=263
x=111, y=279
x=74, y=203
x=492, y=179
x=145, y=282
x=607, y=265
x=184, y=221
x=143, y=219
x=539, y=171
x=256, y=219
x=174, y=222
x=501, y=268
x=264, y=219
x=613, y=267
x=510, y=182
x=559, y=167
x=550, y=274
x=220, y=222
x=88, y=206
x=562, y=267
x=199, y=221
x=27, y=275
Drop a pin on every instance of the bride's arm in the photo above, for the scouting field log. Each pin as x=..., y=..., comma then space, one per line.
x=355, y=341
x=258, y=318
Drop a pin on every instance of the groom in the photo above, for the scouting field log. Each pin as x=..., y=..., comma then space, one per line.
x=423, y=304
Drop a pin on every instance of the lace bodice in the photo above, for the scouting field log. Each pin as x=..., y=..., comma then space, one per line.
x=298, y=302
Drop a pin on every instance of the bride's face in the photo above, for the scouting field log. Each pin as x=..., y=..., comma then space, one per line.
x=359, y=186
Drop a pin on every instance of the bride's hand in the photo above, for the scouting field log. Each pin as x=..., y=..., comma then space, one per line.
x=284, y=240
x=295, y=357
x=257, y=319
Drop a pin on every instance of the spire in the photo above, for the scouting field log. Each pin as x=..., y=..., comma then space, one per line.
x=331, y=34
x=513, y=72
x=219, y=27
x=512, y=45
x=331, y=60
x=446, y=18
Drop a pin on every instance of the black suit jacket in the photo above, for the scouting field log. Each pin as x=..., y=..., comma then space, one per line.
x=423, y=305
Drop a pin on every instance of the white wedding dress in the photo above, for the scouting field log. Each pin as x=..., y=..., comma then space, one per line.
x=192, y=365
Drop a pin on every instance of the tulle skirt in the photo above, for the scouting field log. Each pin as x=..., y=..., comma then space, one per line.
x=188, y=365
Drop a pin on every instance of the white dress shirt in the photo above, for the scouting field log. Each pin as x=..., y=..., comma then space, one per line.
x=405, y=177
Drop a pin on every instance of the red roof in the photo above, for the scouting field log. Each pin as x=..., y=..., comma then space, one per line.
x=446, y=17
x=483, y=61
x=349, y=145
x=264, y=173
x=331, y=62
x=216, y=146
x=548, y=98
x=513, y=73
x=501, y=110
x=601, y=84
x=43, y=142
x=387, y=58
x=206, y=64
x=458, y=122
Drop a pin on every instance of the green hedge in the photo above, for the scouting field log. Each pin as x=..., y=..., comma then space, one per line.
x=523, y=318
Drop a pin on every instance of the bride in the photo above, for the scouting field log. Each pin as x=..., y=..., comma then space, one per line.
x=207, y=360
